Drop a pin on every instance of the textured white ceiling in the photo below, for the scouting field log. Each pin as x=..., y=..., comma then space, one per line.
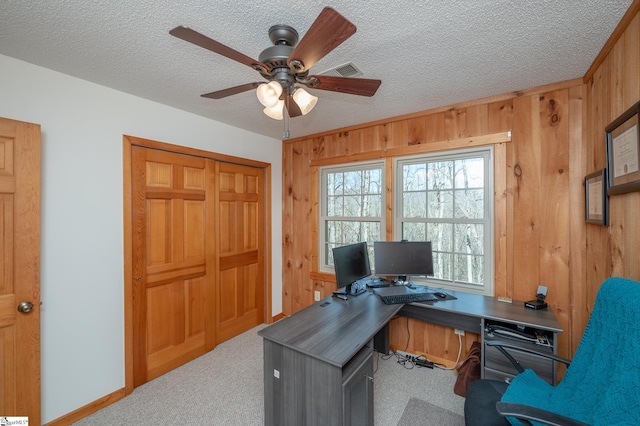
x=427, y=53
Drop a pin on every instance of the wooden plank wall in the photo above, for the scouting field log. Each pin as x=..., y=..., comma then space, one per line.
x=541, y=236
x=543, y=169
x=613, y=85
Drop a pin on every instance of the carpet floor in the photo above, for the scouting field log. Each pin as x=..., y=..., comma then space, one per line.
x=225, y=387
x=419, y=412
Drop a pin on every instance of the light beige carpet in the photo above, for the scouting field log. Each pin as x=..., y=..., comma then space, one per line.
x=419, y=412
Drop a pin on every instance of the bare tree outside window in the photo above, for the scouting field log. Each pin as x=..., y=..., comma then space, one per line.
x=444, y=200
x=352, y=207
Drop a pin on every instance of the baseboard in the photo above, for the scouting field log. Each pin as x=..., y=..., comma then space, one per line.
x=88, y=409
x=278, y=317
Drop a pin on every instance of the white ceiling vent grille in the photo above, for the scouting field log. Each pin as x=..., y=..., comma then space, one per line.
x=345, y=70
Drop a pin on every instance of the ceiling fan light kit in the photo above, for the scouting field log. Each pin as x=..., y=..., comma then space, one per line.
x=286, y=65
x=269, y=93
x=277, y=111
x=305, y=100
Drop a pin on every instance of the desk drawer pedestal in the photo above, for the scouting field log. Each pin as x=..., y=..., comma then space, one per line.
x=303, y=390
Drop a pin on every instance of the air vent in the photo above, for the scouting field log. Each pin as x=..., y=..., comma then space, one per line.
x=345, y=70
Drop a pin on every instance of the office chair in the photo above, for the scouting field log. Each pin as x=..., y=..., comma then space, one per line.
x=600, y=387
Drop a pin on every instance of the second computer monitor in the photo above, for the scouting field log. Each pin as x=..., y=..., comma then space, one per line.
x=403, y=258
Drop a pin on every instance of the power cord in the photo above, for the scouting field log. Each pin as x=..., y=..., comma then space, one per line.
x=442, y=367
x=410, y=361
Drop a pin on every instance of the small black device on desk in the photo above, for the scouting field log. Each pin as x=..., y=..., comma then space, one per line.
x=538, y=302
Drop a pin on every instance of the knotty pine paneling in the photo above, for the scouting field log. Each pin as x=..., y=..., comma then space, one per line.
x=612, y=86
x=533, y=246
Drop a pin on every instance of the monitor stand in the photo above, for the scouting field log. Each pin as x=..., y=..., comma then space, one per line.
x=355, y=291
x=351, y=290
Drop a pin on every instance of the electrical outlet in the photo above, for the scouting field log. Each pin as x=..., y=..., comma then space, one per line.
x=316, y=295
x=459, y=332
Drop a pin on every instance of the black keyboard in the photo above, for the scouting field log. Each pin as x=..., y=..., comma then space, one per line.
x=408, y=298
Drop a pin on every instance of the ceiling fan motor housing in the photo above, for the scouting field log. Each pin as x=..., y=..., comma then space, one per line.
x=283, y=34
x=275, y=57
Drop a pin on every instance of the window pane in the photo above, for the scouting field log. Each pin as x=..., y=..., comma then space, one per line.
x=470, y=173
x=352, y=194
x=442, y=265
x=334, y=206
x=469, y=238
x=371, y=232
x=414, y=177
x=372, y=181
x=450, y=206
x=414, y=231
x=440, y=175
x=352, y=206
x=340, y=233
x=372, y=206
x=440, y=204
x=414, y=204
x=334, y=184
x=470, y=204
x=333, y=231
x=440, y=235
x=353, y=182
x=351, y=232
x=469, y=269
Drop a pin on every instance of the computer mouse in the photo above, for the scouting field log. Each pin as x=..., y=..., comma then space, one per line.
x=441, y=295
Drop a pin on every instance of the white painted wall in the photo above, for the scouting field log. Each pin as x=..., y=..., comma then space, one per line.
x=82, y=283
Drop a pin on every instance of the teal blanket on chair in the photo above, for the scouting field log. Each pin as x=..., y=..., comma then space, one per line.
x=602, y=385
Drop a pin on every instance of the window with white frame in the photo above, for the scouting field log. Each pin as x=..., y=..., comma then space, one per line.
x=447, y=198
x=351, y=207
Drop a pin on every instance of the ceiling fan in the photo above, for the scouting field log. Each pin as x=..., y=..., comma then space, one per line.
x=286, y=65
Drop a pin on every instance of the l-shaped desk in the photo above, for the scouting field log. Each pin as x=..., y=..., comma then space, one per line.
x=318, y=363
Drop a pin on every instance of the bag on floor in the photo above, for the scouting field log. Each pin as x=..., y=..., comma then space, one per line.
x=469, y=370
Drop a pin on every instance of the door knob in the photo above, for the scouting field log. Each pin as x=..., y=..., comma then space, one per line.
x=25, y=307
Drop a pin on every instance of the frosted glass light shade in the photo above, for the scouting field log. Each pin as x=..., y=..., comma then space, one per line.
x=305, y=101
x=269, y=93
x=275, y=112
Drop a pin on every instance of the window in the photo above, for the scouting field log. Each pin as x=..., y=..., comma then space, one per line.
x=352, y=207
x=447, y=198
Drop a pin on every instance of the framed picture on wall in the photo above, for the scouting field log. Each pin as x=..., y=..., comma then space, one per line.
x=623, y=152
x=596, y=198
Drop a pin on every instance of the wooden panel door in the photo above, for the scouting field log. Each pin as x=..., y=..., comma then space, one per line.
x=240, y=235
x=20, y=270
x=173, y=287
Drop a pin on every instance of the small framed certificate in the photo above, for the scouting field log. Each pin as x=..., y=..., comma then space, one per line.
x=596, y=198
x=623, y=152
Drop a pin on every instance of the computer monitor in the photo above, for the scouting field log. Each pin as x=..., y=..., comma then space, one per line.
x=351, y=263
x=403, y=258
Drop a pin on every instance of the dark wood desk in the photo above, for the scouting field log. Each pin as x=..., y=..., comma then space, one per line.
x=318, y=363
x=468, y=310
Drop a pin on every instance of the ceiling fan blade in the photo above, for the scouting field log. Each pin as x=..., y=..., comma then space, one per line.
x=292, y=107
x=352, y=86
x=326, y=33
x=201, y=40
x=230, y=91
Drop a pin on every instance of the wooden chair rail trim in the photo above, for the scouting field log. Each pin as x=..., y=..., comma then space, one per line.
x=469, y=142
